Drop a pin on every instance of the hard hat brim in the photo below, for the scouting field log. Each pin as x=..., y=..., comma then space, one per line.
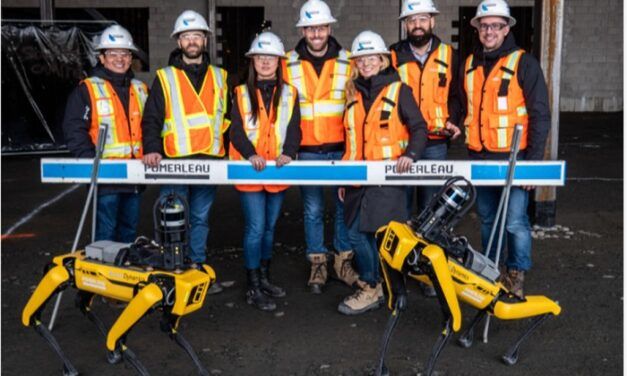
x=366, y=53
x=253, y=53
x=314, y=23
x=475, y=21
x=435, y=12
x=175, y=34
x=131, y=48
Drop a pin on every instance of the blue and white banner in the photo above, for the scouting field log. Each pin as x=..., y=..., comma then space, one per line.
x=219, y=172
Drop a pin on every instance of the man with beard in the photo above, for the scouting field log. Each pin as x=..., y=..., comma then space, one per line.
x=185, y=118
x=319, y=68
x=504, y=86
x=430, y=68
x=111, y=96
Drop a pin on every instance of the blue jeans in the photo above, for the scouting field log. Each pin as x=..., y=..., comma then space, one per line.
x=117, y=217
x=313, y=203
x=366, y=253
x=437, y=152
x=517, y=230
x=261, y=211
x=199, y=198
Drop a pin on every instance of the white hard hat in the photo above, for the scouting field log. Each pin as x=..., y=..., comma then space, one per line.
x=368, y=43
x=190, y=20
x=411, y=7
x=490, y=8
x=266, y=43
x=116, y=37
x=315, y=12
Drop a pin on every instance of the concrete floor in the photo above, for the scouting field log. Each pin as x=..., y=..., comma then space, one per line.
x=307, y=336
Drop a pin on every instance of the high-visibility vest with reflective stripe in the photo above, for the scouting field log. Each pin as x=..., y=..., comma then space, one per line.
x=430, y=87
x=267, y=132
x=124, y=134
x=322, y=99
x=378, y=135
x=495, y=105
x=194, y=122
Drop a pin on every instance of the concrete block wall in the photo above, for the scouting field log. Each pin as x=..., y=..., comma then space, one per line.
x=592, y=60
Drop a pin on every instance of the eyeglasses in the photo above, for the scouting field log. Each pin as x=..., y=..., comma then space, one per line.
x=115, y=54
x=420, y=19
x=367, y=60
x=192, y=36
x=265, y=57
x=495, y=26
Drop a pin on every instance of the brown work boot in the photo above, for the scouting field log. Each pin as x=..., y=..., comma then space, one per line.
x=514, y=281
x=365, y=299
x=343, y=266
x=319, y=273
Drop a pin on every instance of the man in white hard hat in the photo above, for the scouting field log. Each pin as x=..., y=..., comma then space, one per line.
x=111, y=96
x=319, y=68
x=185, y=118
x=504, y=86
x=430, y=67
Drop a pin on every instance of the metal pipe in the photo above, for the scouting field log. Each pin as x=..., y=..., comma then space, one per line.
x=102, y=136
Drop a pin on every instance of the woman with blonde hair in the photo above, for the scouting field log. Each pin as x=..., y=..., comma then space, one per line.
x=382, y=122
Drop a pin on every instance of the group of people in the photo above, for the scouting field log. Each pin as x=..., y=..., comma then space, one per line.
x=318, y=102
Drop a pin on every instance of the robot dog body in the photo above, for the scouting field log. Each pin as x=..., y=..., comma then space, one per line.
x=147, y=275
x=426, y=250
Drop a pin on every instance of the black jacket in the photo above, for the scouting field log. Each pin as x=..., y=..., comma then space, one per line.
x=154, y=111
x=78, y=116
x=404, y=54
x=238, y=135
x=531, y=80
x=377, y=206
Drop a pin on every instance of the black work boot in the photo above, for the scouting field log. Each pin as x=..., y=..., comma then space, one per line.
x=266, y=286
x=254, y=296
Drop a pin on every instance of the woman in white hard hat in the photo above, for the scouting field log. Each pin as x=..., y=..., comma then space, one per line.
x=382, y=122
x=265, y=126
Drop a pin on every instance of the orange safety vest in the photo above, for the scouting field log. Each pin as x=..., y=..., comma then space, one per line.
x=378, y=135
x=194, y=122
x=430, y=87
x=491, y=117
x=267, y=133
x=322, y=99
x=124, y=137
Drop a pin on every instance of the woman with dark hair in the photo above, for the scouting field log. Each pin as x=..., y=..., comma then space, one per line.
x=382, y=122
x=265, y=122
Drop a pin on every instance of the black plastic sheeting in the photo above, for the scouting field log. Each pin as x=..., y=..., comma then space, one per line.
x=41, y=65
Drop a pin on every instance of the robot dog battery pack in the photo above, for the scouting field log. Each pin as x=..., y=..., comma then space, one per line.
x=104, y=250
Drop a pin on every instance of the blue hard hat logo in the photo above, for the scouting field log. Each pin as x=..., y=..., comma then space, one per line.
x=259, y=45
x=307, y=14
x=484, y=7
x=111, y=38
x=361, y=46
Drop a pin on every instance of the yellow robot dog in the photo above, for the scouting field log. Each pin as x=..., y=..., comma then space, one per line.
x=427, y=250
x=148, y=275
